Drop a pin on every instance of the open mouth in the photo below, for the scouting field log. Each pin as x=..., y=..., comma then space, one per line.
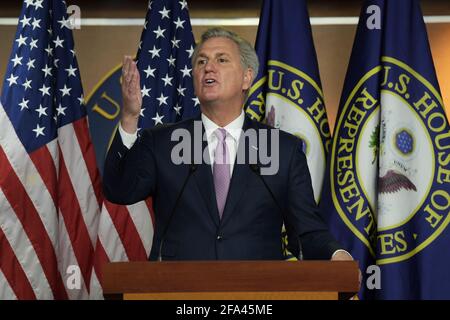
x=209, y=82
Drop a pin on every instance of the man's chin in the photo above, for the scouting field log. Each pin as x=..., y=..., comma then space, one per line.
x=208, y=99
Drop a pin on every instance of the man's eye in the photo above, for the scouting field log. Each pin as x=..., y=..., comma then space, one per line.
x=201, y=61
x=222, y=60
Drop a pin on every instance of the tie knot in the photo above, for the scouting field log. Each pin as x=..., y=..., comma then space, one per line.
x=221, y=134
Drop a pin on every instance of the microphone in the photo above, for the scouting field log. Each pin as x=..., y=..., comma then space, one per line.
x=257, y=170
x=192, y=169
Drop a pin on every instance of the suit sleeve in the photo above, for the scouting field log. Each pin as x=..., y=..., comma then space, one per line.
x=304, y=225
x=129, y=175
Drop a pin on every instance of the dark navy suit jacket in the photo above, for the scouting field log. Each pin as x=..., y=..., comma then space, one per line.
x=250, y=228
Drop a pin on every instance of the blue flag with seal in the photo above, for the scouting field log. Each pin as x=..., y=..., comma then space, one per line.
x=287, y=92
x=387, y=197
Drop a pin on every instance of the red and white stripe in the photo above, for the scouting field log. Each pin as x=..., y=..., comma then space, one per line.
x=5, y=289
x=125, y=234
x=50, y=205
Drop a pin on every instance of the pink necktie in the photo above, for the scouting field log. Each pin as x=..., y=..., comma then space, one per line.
x=221, y=170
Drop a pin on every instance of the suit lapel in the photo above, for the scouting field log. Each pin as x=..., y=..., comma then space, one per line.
x=239, y=179
x=204, y=179
x=238, y=184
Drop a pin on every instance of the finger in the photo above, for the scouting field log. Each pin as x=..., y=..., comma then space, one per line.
x=135, y=82
x=132, y=83
x=133, y=71
x=136, y=71
x=133, y=67
x=124, y=72
x=125, y=65
x=126, y=78
x=126, y=68
x=130, y=76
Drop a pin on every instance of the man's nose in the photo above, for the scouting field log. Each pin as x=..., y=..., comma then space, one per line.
x=210, y=66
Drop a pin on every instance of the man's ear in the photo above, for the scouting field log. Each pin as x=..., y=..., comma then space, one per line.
x=248, y=79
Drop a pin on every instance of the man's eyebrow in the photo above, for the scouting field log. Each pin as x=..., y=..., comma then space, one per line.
x=222, y=54
x=201, y=54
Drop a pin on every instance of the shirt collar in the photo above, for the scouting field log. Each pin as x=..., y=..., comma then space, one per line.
x=234, y=128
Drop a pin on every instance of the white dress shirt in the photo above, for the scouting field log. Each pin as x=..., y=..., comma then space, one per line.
x=233, y=129
x=128, y=139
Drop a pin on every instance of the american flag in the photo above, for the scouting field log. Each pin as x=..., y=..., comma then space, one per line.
x=50, y=194
x=164, y=61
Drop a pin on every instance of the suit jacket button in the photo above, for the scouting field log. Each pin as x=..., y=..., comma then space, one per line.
x=219, y=238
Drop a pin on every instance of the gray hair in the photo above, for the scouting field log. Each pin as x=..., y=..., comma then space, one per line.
x=249, y=59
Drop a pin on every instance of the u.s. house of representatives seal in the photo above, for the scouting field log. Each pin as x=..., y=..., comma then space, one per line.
x=391, y=170
x=292, y=101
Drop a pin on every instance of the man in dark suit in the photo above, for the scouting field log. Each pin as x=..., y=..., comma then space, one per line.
x=221, y=207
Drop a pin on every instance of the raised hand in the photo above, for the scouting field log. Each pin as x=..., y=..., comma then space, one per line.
x=131, y=95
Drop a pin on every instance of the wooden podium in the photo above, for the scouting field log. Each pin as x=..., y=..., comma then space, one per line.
x=231, y=280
